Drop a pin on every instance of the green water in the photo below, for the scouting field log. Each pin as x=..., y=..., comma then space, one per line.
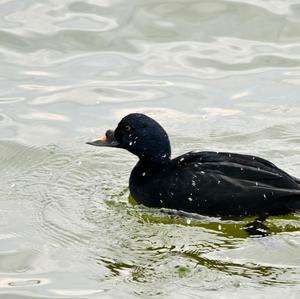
x=218, y=74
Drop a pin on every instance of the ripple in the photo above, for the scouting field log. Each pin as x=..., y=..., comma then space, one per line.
x=5, y=100
x=22, y=282
x=262, y=61
x=97, y=95
x=77, y=292
x=17, y=261
x=11, y=161
x=63, y=40
x=86, y=23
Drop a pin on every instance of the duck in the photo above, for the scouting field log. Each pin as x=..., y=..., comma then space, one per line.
x=201, y=182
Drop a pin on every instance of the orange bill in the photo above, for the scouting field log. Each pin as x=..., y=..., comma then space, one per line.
x=103, y=138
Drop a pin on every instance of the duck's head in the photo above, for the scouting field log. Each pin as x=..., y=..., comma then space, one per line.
x=140, y=135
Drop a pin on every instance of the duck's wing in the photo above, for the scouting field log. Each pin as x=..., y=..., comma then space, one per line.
x=207, y=157
x=239, y=166
x=233, y=184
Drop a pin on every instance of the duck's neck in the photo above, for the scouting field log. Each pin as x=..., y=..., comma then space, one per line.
x=146, y=166
x=144, y=176
x=154, y=161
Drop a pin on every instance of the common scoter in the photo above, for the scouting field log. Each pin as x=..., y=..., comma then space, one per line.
x=208, y=183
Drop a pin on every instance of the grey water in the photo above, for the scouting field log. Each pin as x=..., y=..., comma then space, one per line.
x=219, y=75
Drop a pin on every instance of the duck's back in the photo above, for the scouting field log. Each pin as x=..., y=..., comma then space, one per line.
x=217, y=184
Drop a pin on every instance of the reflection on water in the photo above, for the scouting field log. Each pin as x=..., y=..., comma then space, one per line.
x=219, y=75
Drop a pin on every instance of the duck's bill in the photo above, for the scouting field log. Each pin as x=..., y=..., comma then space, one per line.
x=107, y=140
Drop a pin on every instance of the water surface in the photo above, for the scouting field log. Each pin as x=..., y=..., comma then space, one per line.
x=218, y=74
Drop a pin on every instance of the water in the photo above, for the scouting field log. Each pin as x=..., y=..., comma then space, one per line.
x=219, y=75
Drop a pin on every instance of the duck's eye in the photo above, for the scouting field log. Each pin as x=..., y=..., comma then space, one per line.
x=127, y=128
